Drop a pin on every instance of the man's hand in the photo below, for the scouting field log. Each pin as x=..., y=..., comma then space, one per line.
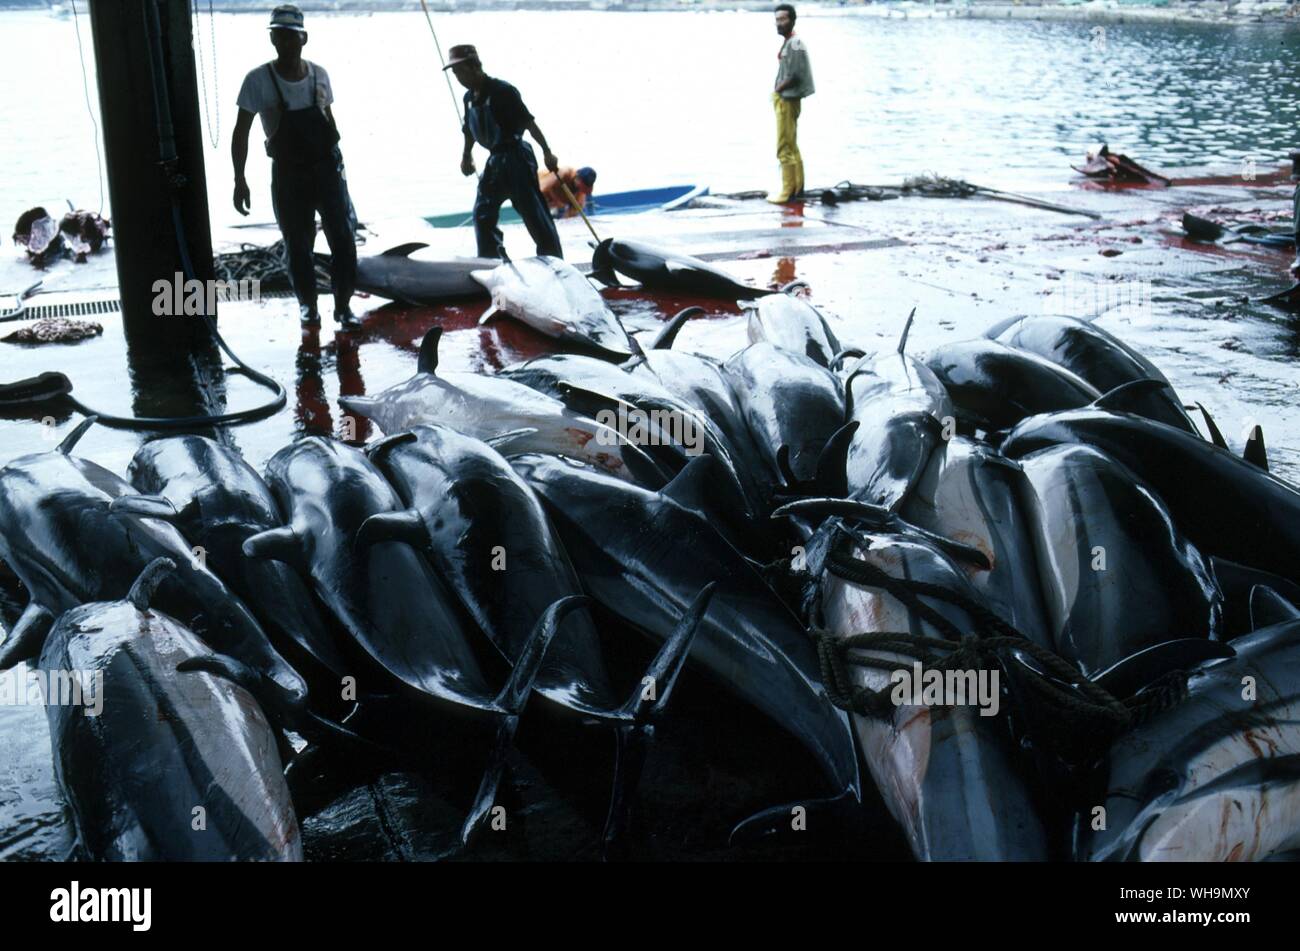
x=552, y=163
x=467, y=165
x=243, y=200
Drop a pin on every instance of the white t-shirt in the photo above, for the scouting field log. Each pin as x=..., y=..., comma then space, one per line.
x=257, y=94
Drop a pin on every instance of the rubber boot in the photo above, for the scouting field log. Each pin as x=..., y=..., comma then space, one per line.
x=789, y=185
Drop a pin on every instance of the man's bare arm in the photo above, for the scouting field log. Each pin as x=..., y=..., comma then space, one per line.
x=239, y=157
x=548, y=157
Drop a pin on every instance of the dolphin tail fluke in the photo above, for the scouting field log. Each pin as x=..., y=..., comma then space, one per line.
x=643, y=708
x=26, y=638
x=74, y=437
x=405, y=526
x=512, y=700
x=428, y=362
x=1255, y=453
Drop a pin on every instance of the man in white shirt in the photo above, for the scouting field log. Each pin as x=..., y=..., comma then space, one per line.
x=794, y=83
x=292, y=97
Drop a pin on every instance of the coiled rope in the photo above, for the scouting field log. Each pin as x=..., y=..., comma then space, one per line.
x=1068, y=713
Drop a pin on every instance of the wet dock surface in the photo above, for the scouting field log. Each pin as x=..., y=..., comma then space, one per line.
x=962, y=263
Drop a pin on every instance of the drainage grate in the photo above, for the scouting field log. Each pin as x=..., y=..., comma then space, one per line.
x=84, y=308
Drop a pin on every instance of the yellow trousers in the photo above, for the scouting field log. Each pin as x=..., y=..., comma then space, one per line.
x=787, y=145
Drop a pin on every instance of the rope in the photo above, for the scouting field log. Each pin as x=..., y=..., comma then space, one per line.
x=442, y=62
x=209, y=110
x=1066, y=712
x=85, y=88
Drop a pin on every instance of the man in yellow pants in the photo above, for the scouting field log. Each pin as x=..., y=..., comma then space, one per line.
x=794, y=83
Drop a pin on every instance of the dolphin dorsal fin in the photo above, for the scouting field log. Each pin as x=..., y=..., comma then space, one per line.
x=1267, y=607
x=907, y=328
x=1119, y=397
x=664, y=339
x=428, y=362
x=147, y=582
x=70, y=440
x=1254, y=451
x=404, y=250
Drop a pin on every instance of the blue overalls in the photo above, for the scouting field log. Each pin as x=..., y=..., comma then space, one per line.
x=307, y=177
x=510, y=172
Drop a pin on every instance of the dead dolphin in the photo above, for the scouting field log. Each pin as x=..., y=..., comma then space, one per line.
x=996, y=386
x=1226, y=506
x=792, y=323
x=791, y=405
x=1118, y=574
x=171, y=743
x=660, y=270
x=627, y=544
x=973, y=495
x=549, y=295
x=1214, y=778
x=384, y=595
x=488, y=536
x=1098, y=357
x=74, y=533
x=399, y=277
x=951, y=777
x=902, y=410
x=220, y=501
x=502, y=413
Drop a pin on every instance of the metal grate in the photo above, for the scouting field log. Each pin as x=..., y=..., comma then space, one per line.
x=92, y=308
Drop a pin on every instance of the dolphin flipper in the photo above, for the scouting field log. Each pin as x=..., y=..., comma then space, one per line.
x=1267, y=607
x=26, y=638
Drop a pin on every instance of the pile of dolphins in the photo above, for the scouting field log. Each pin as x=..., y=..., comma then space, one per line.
x=1036, y=504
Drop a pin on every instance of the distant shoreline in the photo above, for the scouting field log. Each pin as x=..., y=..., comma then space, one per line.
x=1218, y=12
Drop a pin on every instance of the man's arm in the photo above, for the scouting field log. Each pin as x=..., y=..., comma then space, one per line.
x=239, y=157
x=552, y=163
x=467, y=158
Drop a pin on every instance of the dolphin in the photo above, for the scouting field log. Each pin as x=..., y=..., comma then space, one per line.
x=501, y=412
x=553, y=298
x=950, y=777
x=1214, y=778
x=397, y=276
x=996, y=386
x=221, y=501
x=901, y=410
x=660, y=270
x=384, y=595
x=610, y=394
x=74, y=533
x=973, y=495
x=792, y=323
x=627, y=544
x=169, y=739
x=791, y=405
x=1098, y=357
x=1226, y=506
x=488, y=536
x=1118, y=574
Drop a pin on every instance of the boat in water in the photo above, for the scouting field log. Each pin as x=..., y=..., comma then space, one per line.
x=668, y=198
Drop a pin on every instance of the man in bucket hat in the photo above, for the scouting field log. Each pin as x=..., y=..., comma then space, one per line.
x=496, y=118
x=292, y=96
